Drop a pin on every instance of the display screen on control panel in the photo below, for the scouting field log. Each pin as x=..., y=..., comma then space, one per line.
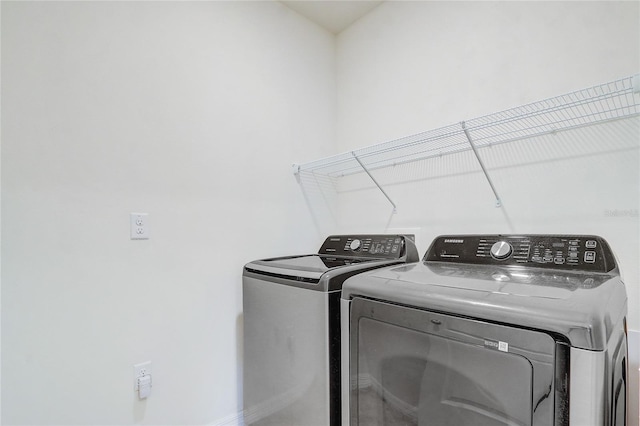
x=378, y=246
x=571, y=252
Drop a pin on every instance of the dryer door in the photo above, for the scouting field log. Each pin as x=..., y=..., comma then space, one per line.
x=415, y=367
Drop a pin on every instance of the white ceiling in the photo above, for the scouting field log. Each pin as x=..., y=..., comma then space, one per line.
x=334, y=16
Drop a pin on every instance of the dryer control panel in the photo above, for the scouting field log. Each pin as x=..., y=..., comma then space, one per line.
x=569, y=252
x=376, y=246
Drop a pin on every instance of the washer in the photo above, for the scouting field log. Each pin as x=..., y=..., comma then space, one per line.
x=489, y=330
x=292, y=327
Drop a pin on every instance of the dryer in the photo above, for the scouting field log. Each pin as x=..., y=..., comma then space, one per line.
x=291, y=373
x=489, y=330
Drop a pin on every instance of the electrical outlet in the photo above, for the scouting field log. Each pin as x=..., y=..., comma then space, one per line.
x=139, y=226
x=140, y=370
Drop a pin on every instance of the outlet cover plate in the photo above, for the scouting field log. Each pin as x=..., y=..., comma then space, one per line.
x=139, y=226
x=142, y=369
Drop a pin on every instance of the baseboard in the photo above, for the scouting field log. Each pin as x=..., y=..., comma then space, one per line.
x=235, y=419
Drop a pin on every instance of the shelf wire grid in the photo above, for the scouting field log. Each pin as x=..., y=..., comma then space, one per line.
x=614, y=100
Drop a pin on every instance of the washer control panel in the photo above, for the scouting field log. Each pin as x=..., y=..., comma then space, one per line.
x=576, y=252
x=378, y=246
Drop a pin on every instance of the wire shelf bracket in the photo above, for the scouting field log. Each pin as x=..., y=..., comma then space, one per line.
x=395, y=209
x=484, y=169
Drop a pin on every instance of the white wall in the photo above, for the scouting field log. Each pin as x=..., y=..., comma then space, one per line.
x=194, y=111
x=409, y=67
x=190, y=111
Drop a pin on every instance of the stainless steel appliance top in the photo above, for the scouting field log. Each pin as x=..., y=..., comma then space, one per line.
x=565, y=284
x=339, y=257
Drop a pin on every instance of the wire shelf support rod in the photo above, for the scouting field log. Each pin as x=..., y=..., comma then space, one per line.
x=375, y=181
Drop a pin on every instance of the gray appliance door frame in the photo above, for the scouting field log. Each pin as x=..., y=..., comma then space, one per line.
x=547, y=358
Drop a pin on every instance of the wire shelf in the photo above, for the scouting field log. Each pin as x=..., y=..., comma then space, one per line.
x=609, y=101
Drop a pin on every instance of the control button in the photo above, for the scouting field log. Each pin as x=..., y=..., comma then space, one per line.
x=537, y=259
x=355, y=245
x=501, y=250
x=558, y=260
x=573, y=254
x=547, y=259
x=591, y=244
x=590, y=256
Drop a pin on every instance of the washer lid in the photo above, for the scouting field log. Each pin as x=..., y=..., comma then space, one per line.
x=310, y=267
x=339, y=257
x=315, y=272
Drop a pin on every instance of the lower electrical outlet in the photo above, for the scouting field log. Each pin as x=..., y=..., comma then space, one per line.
x=140, y=370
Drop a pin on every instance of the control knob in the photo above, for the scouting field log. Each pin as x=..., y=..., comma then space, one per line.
x=501, y=250
x=355, y=245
